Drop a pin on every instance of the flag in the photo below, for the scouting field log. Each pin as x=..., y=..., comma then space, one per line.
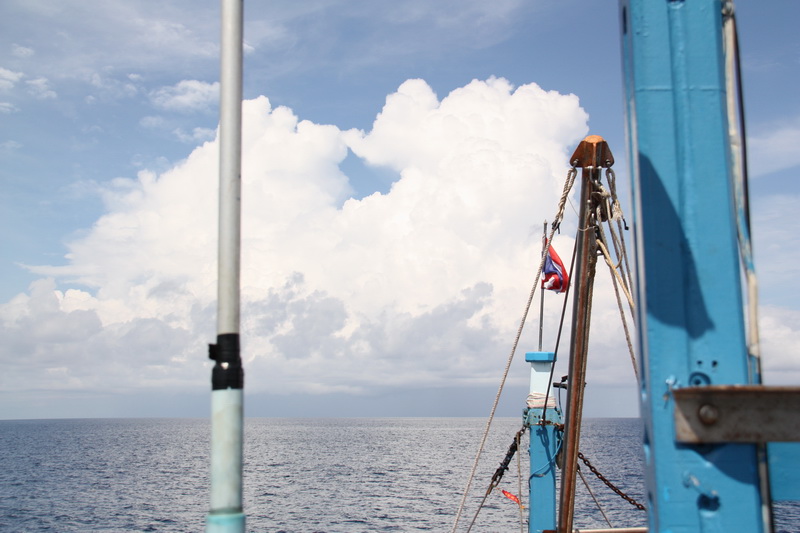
x=554, y=275
x=511, y=497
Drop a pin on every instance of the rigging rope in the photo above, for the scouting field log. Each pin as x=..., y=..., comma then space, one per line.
x=738, y=143
x=619, y=240
x=609, y=210
x=617, y=281
x=616, y=237
x=571, y=174
x=519, y=485
x=498, y=474
x=735, y=109
x=597, y=503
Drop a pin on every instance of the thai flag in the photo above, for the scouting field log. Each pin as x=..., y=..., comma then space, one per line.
x=554, y=275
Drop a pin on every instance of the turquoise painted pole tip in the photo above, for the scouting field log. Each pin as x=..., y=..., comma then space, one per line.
x=540, y=357
x=225, y=523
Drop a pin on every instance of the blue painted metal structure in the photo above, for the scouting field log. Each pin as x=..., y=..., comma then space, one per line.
x=784, y=465
x=545, y=441
x=690, y=319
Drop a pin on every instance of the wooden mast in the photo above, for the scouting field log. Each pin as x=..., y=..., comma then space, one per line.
x=592, y=155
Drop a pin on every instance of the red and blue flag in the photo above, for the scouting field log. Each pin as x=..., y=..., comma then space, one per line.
x=554, y=275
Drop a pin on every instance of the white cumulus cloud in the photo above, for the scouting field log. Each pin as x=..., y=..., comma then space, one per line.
x=196, y=135
x=780, y=344
x=40, y=88
x=9, y=146
x=776, y=246
x=21, y=51
x=421, y=285
x=111, y=88
x=186, y=96
x=9, y=78
x=154, y=122
x=774, y=149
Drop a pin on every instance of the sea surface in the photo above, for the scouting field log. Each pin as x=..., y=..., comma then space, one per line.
x=300, y=475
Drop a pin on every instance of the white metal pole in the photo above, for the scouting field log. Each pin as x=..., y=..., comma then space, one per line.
x=227, y=414
x=230, y=157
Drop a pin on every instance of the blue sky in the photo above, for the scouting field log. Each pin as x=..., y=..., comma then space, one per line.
x=399, y=160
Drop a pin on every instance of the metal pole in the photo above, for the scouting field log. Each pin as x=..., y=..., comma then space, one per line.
x=227, y=382
x=541, y=291
x=592, y=154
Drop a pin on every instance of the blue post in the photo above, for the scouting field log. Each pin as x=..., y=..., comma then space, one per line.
x=690, y=317
x=545, y=441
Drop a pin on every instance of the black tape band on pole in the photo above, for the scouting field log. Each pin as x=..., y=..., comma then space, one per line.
x=228, y=372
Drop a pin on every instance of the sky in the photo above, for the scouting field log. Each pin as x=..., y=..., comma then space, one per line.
x=399, y=159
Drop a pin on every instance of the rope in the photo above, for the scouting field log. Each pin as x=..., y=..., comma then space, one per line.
x=498, y=474
x=556, y=223
x=597, y=503
x=562, y=202
x=542, y=470
x=735, y=103
x=617, y=278
x=619, y=240
x=519, y=486
x=614, y=211
x=738, y=142
x=616, y=238
x=619, y=306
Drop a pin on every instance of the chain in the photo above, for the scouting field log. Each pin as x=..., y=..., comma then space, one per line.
x=610, y=485
x=498, y=475
x=512, y=449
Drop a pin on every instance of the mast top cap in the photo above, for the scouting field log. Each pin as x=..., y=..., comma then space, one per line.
x=594, y=152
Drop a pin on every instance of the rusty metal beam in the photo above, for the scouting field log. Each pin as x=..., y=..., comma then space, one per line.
x=737, y=413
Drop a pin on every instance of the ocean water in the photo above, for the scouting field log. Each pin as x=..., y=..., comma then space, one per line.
x=301, y=475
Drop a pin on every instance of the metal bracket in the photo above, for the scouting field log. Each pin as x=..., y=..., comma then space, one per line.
x=592, y=152
x=737, y=413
